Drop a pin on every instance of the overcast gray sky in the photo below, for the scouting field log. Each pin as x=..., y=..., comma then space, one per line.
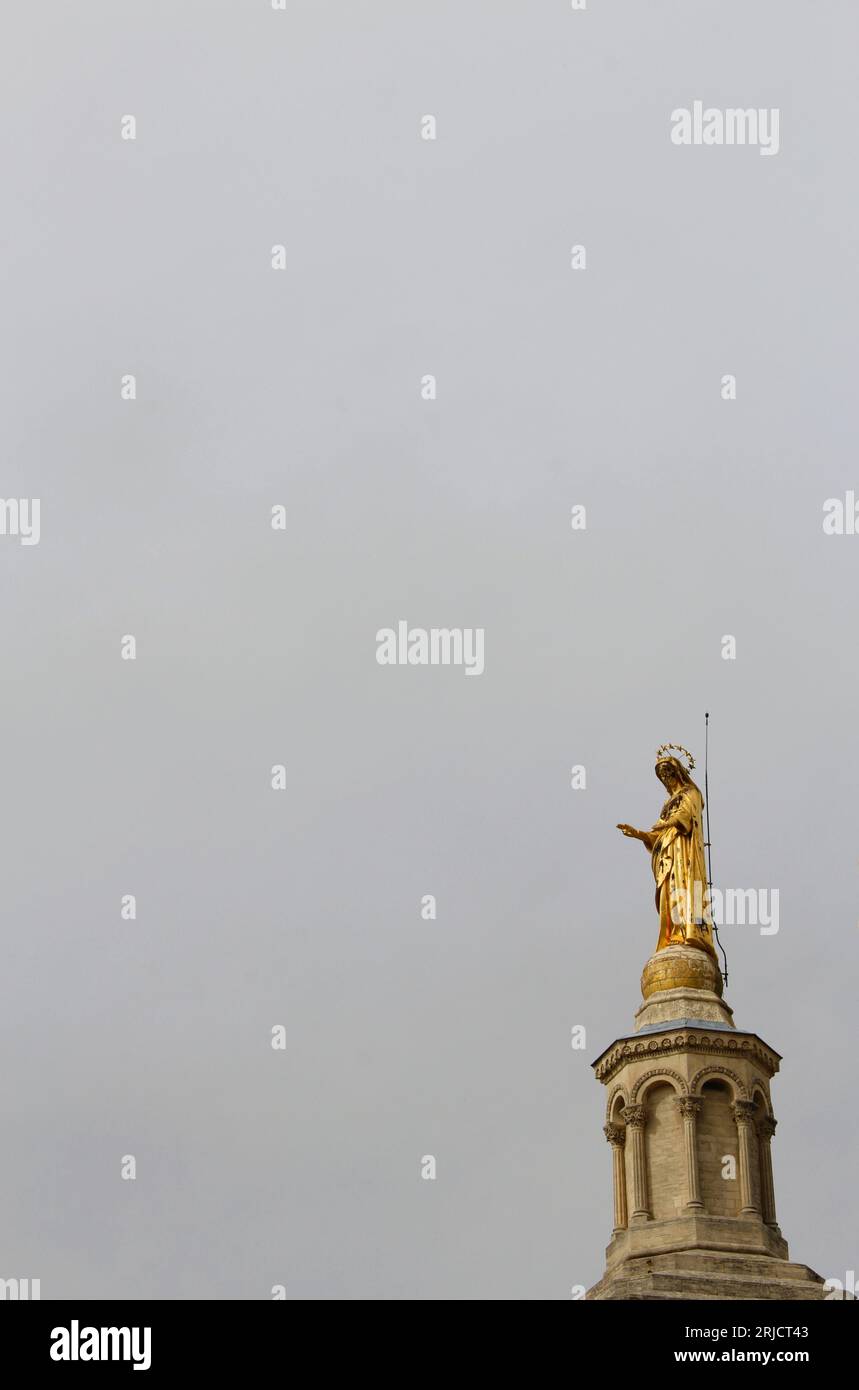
x=406, y=257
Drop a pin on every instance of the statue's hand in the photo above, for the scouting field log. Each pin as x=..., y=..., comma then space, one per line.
x=631, y=831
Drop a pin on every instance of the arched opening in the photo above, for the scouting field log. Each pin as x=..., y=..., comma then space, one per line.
x=718, y=1151
x=663, y=1138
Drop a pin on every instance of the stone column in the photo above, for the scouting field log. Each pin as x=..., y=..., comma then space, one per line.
x=689, y=1107
x=744, y=1114
x=616, y=1136
x=766, y=1130
x=635, y=1117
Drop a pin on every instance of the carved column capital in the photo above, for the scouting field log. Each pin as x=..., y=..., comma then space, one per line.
x=743, y=1112
x=635, y=1116
x=615, y=1134
x=689, y=1106
x=766, y=1127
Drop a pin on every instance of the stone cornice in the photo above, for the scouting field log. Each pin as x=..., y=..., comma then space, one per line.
x=704, y=1041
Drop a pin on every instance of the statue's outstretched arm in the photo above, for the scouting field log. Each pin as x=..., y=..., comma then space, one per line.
x=648, y=837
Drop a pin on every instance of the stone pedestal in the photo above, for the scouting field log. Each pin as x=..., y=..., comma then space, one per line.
x=682, y=982
x=689, y=1119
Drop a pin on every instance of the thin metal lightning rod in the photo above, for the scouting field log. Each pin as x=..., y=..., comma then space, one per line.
x=708, y=846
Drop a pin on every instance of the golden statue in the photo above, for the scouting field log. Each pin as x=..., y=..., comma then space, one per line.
x=676, y=844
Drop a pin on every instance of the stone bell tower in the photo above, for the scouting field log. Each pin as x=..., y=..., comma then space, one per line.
x=690, y=1122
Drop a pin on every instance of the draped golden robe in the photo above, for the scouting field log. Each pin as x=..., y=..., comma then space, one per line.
x=682, y=897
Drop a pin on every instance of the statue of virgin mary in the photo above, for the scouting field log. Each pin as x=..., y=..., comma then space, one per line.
x=676, y=844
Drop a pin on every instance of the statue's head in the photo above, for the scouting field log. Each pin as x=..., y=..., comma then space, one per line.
x=671, y=772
